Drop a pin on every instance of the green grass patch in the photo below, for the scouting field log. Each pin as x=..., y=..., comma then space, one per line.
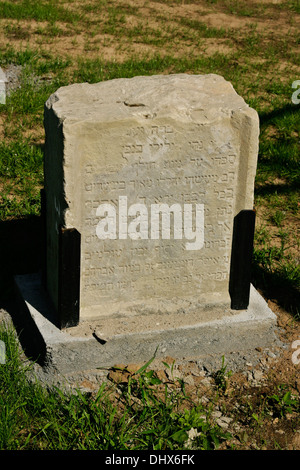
x=144, y=414
x=36, y=418
x=241, y=8
x=95, y=70
x=20, y=160
x=44, y=10
x=21, y=176
x=279, y=153
x=203, y=30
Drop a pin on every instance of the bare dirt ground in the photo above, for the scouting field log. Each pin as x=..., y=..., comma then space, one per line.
x=154, y=19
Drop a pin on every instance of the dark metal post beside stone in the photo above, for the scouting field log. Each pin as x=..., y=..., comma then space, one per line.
x=69, y=242
x=241, y=259
x=69, y=277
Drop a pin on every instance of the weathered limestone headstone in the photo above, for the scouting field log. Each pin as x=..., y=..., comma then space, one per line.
x=150, y=174
x=2, y=87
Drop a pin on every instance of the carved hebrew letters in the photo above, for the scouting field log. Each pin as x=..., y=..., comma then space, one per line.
x=151, y=172
x=161, y=167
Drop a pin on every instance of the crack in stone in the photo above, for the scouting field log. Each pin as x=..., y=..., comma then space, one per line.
x=133, y=105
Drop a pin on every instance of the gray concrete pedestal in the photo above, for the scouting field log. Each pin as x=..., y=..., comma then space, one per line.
x=218, y=331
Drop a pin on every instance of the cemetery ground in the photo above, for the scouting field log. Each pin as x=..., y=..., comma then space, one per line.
x=254, y=45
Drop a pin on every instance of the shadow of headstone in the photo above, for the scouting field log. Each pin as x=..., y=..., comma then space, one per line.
x=20, y=252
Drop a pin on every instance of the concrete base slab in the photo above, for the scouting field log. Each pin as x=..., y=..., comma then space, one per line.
x=217, y=330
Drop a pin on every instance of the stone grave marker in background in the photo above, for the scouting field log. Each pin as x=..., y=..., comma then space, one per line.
x=2, y=87
x=148, y=205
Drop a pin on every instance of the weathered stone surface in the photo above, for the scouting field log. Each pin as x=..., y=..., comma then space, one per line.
x=188, y=140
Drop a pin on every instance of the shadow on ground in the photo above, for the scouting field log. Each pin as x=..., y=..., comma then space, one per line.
x=21, y=248
x=269, y=117
x=276, y=287
x=21, y=242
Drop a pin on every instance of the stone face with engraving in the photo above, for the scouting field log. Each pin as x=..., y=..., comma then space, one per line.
x=151, y=171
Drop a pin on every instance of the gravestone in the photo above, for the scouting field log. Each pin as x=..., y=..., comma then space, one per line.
x=2, y=87
x=148, y=226
x=145, y=176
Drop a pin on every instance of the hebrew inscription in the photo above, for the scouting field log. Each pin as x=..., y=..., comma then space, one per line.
x=151, y=171
x=172, y=196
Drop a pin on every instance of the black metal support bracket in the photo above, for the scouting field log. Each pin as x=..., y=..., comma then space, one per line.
x=241, y=259
x=69, y=277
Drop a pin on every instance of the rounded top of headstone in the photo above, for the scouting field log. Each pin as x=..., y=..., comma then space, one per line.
x=199, y=98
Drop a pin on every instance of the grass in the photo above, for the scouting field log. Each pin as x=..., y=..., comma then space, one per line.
x=57, y=43
x=45, y=10
x=37, y=418
x=143, y=412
